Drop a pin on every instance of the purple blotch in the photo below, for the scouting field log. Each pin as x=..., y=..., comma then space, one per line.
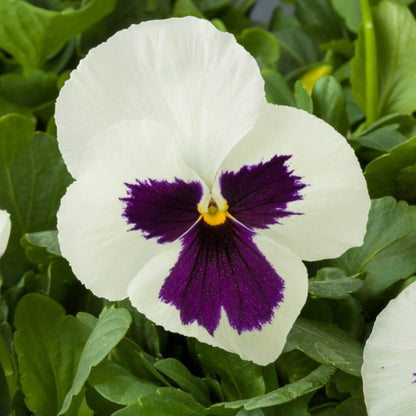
x=258, y=195
x=161, y=209
x=220, y=266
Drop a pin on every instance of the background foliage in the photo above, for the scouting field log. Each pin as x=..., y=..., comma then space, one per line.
x=65, y=352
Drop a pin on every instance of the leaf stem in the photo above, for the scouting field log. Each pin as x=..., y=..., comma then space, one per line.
x=371, y=70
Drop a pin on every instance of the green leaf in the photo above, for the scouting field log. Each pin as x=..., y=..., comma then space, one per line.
x=354, y=111
x=348, y=315
x=297, y=50
x=282, y=20
x=100, y=405
x=33, y=179
x=297, y=407
x=326, y=344
x=352, y=406
x=382, y=173
x=48, y=346
x=118, y=385
x=329, y=103
x=333, y=283
x=395, y=31
x=243, y=5
x=294, y=365
x=388, y=254
x=255, y=412
x=276, y=88
x=150, y=337
x=319, y=13
x=186, y=8
x=347, y=383
x=350, y=11
x=32, y=35
x=382, y=139
x=177, y=372
x=406, y=184
x=303, y=98
x=132, y=357
x=111, y=327
x=125, y=13
x=30, y=89
x=262, y=45
x=312, y=382
x=41, y=247
x=166, y=401
x=212, y=6
x=239, y=379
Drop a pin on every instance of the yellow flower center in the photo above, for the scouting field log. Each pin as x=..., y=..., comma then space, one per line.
x=214, y=216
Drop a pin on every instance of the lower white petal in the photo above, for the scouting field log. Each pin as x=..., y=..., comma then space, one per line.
x=390, y=359
x=5, y=227
x=335, y=203
x=260, y=346
x=93, y=234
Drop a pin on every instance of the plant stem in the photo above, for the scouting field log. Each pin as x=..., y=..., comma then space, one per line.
x=371, y=70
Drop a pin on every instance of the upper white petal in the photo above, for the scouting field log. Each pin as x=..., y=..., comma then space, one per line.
x=5, y=227
x=261, y=347
x=335, y=203
x=92, y=233
x=390, y=359
x=182, y=73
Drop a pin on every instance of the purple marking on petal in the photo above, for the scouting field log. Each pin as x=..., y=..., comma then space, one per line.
x=414, y=381
x=220, y=266
x=258, y=195
x=162, y=209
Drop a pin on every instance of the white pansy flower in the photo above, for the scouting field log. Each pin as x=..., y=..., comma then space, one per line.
x=5, y=226
x=389, y=369
x=193, y=196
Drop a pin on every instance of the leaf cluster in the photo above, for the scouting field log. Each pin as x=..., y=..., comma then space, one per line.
x=65, y=352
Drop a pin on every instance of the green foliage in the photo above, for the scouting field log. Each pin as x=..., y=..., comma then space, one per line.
x=333, y=283
x=262, y=45
x=388, y=254
x=33, y=35
x=312, y=382
x=302, y=97
x=329, y=103
x=48, y=346
x=110, y=328
x=239, y=379
x=118, y=385
x=276, y=88
x=326, y=344
x=395, y=29
x=33, y=179
x=385, y=175
x=166, y=401
x=57, y=357
x=177, y=372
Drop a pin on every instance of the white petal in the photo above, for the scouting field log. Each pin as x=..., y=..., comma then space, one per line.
x=261, y=347
x=390, y=359
x=93, y=235
x=182, y=73
x=5, y=226
x=335, y=203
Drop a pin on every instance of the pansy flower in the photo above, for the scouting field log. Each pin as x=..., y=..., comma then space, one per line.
x=193, y=196
x=5, y=226
x=389, y=369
